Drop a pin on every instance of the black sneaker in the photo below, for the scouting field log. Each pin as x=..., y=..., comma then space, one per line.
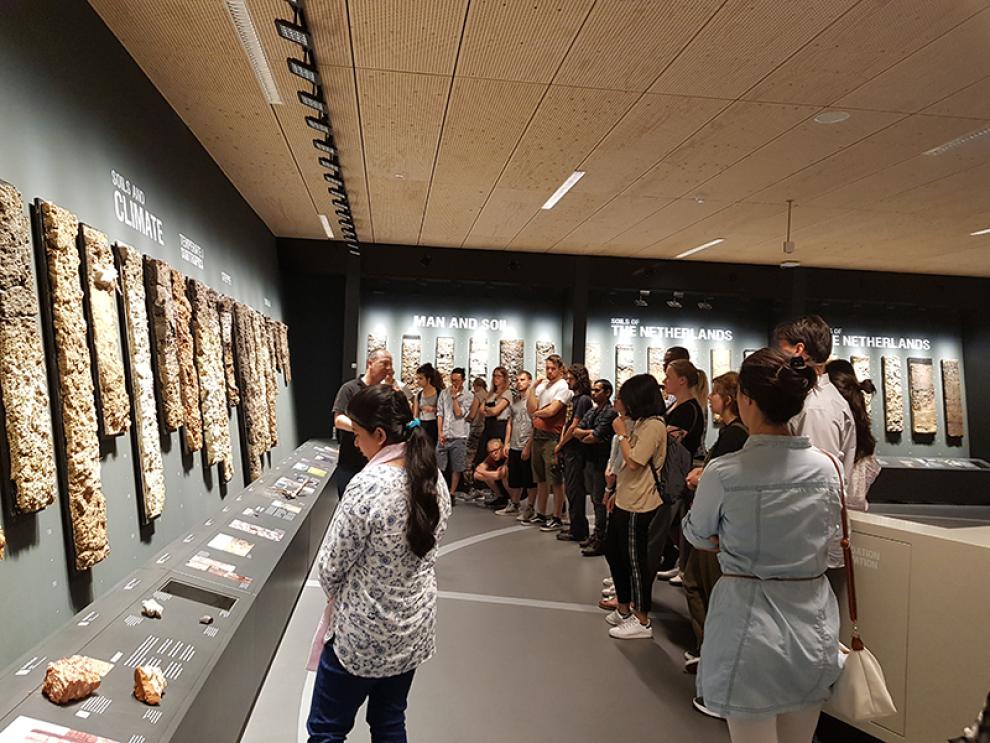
x=553, y=524
x=595, y=549
x=566, y=536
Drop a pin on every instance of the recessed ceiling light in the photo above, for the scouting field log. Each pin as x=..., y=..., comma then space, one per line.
x=790, y=264
x=698, y=249
x=326, y=226
x=399, y=177
x=957, y=142
x=831, y=117
x=566, y=186
x=980, y=232
x=248, y=36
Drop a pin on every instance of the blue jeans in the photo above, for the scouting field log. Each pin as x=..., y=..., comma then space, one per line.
x=338, y=695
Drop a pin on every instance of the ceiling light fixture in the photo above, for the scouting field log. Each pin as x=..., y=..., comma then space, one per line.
x=329, y=164
x=341, y=201
x=980, y=232
x=337, y=193
x=248, y=36
x=334, y=180
x=313, y=101
x=957, y=142
x=566, y=186
x=295, y=33
x=305, y=71
x=675, y=302
x=641, y=300
x=788, y=243
x=831, y=117
x=704, y=305
x=698, y=249
x=325, y=146
x=321, y=124
x=790, y=264
x=326, y=226
x=342, y=212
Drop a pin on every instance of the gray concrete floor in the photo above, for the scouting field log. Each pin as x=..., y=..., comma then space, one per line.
x=523, y=653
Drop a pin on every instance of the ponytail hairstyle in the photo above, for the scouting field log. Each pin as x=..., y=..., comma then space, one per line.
x=777, y=383
x=843, y=377
x=432, y=375
x=700, y=390
x=381, y=407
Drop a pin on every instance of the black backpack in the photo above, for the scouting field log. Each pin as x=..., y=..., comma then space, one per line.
x=672, y=479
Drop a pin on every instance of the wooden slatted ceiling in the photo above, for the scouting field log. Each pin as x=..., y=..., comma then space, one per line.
x=456, y=120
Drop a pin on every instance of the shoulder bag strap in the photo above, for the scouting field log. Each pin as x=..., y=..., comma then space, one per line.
x=847, y=556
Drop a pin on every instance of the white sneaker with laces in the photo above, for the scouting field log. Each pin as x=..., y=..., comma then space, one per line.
x=510, y=510
x=525, y=514
x=667, y=574
x=608, y=592
x=677, y=580
x=615, y=618
x=608, y=581
x=632, y=631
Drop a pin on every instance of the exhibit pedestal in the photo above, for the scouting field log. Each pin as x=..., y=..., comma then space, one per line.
x=227, y=589
x=923, y=604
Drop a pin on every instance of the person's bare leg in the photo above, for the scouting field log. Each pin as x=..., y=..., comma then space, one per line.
x=455, y=481
x=515, y=494
x=541, y=498
x=798, y=726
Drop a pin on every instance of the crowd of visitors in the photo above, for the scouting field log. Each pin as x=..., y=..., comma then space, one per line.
x=750, y=528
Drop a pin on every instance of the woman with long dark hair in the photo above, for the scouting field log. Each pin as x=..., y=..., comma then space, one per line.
x=496, y=413
x=377, y=566
x=426, y=402
x=570, y=454
x=772, y=511
x=642, y=439
x=865, y=467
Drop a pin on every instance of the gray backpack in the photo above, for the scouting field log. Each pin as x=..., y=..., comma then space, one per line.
x=672, y=479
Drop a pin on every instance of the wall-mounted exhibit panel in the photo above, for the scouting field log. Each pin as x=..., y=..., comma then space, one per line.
x=448, y=332
x=226, y=590
x=916, y=366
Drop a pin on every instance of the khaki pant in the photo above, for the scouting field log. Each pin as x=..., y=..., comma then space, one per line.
x=700, y=576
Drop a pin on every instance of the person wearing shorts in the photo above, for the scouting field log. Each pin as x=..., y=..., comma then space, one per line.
x=452, y=422
x=520, y=435
x=547, y=404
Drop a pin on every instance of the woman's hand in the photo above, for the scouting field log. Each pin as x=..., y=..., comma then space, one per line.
x=677, y=433
x=609, y=501
x=693, y=477
x=619, y=425
x=527, y=452
x=715, y=543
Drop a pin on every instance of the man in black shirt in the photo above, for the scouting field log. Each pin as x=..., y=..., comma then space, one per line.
x=595, y=434
x=351, y=460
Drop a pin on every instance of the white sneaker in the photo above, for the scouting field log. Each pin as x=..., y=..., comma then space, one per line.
x=667, y=574
x=677, y=580
x=615, y=618
x=525, y=514
x=608, y=592
x=608, y=581
x=510, y=510
x=632, y=631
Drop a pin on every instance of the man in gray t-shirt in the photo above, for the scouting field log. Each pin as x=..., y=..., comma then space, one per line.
x=453, y=426
x=520, y=476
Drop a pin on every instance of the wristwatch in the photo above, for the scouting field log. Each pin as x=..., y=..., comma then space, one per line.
x=621, y=437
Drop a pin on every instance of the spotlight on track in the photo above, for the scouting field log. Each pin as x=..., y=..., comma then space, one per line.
x=642, y=299
x=313, y=101
x=304, y=70
x=295, y=33
x=321, y=124
x=675, y=302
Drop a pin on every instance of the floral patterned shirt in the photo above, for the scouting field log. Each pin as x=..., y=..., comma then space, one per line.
x=385, y=598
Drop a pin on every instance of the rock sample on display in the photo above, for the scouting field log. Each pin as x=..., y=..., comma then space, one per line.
x=893, y=394
x=512, y=355
x=543, y=350
x=22, y=363
x=593, y=360
x=445, y=357
x=478, y=358
x=149, y=684
x=212, y=383
x=921, y=385
x=654, y=363
x=861, y=366
x=376, y=343
x=158, y=278
x=952, y=399
x=253, y=402
x=152, y=609
x=76, y=404
x=625, y=364
x=144, y=407
x=268, y=365
x=283, y=339
x=3, y=544
x=225, y=309
x=192, y=419
x=70, y=679
x=721, y=362
x=102, y=285
x=412, y=359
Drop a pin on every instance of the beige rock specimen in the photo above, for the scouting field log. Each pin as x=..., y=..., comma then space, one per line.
x=22, y=363
x=625, y=364
x=893, y=394
x=861, y=367
x=271, y=386
x=477, y=357
x=721, y=361
x=412, y=358
x=952, y=398
x=192, y=419
x=102, y=285
x=261, y=367
x=654, y=363
x=225, y=308
x=145, y=409
x=71, y=679
x=253, y=402
x=212, y=385
x=161, y=301
x=593, y=360
x=286, y=359
x=921, y=384
x=376, y=343
x=87, y=506
x=152, y=609
x=444, y=357
x=511, y=355
x=149, y=684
